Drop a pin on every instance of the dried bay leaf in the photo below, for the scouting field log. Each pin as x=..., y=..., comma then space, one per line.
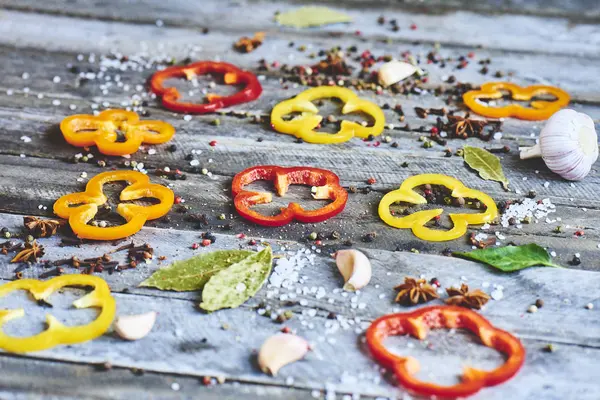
x=231, y=287
x=311, y=16
x=193, y=273
x=487, y=164
x=511, y=258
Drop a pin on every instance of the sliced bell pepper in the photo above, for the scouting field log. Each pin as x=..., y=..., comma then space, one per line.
x=232, y=75
x=418, y=323
x=57, y=333
x=85, y=130
x=417, y=221
x=540, y=109
x=81, y=207
x=304, y=126
x=325, y=185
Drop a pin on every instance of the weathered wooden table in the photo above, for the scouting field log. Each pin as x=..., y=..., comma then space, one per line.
x=63, y=57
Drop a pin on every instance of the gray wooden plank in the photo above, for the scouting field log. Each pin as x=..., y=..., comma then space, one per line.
x=210, y=196
x=459, y=27
x=176, y=343
x=564, y=291
x=23, y=30
x=36, y=378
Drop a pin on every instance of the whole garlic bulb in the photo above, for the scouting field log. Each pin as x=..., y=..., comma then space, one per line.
x=568, y=144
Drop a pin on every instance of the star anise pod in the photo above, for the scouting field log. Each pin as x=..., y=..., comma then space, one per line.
x=30, y=253
x=38, y=227
x=464, y=298
x=415, y=291
x=464, y=127
x=247, y=44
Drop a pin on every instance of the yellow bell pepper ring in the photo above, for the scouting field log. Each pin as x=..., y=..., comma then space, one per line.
x=304, y=126
x=84, y=130
x=539, y=110
x=417, y=221
x=81, y=207
x=57, y=333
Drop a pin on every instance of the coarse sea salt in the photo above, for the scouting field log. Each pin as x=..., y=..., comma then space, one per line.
x=527, y=208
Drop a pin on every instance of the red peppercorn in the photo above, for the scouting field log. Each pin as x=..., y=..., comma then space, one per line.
x=424, y=79
x=471, y=54
x=435, y=130
x=195, y=246
x=206, y=380
x=413, y=27
x=371, y=181
x=206, y=242
x=241, y=235
x=358, y=33
x=286, y=329
x=213, y=143
x=177, y=199
x=579, y=233
x=252, y=242
x=318, y=242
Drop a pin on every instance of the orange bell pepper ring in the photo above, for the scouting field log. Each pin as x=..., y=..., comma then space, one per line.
x=539, y=110
x=81, y=207
x=304, y=126
x=84, y=130
x=418, y=323
x=417, y=221
x=57, y=333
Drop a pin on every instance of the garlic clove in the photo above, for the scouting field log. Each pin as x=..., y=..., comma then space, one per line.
x=568, y=144
x=395, y=71
x=279, y=350
x=134, y=327
x=355, y=267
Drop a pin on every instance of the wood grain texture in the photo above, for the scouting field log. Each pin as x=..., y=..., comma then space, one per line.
x=177, y=343
x=42, y=39
x=37, y=378
x=459, y=27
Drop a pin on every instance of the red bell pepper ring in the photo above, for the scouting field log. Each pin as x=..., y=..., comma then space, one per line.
x=325, y=185
x=232, y=75
x=418, y=323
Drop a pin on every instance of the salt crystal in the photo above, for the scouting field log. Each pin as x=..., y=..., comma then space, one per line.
x=497, y=294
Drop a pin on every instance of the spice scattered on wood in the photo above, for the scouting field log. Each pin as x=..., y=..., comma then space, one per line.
x=415, y=291
x=247, y=44
x=39, y=227
x=464, y=298
x=30, y=253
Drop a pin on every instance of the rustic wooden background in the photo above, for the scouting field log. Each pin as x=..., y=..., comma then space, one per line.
x=554, y=42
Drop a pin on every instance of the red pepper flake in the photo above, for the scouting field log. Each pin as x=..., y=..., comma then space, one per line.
x=435, y=130
x=413, y=27
x=286, y=329
x=437, y=217
x=213, y=143
x=252, y=242
x=195, y=246
x=579, y=233
x=358, y=33
x=275, y=64
x=376, y=144
x=206, y=242
x=241, y=235
x=206, y=381
x=471, y=55
x=425, y=79
x=318, y=242
x=371, y=181
x=177, y=199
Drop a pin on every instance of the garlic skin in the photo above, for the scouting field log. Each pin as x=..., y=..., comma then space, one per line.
x=568, y=144
x=279, y=350
x=395, y=71
x=355, y=267
x=135, y=327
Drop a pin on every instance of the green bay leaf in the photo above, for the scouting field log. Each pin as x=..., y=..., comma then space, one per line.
x=311, y=16
x=231, y=287
x=487, y=164
x=193, y=273
x=511, y=258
